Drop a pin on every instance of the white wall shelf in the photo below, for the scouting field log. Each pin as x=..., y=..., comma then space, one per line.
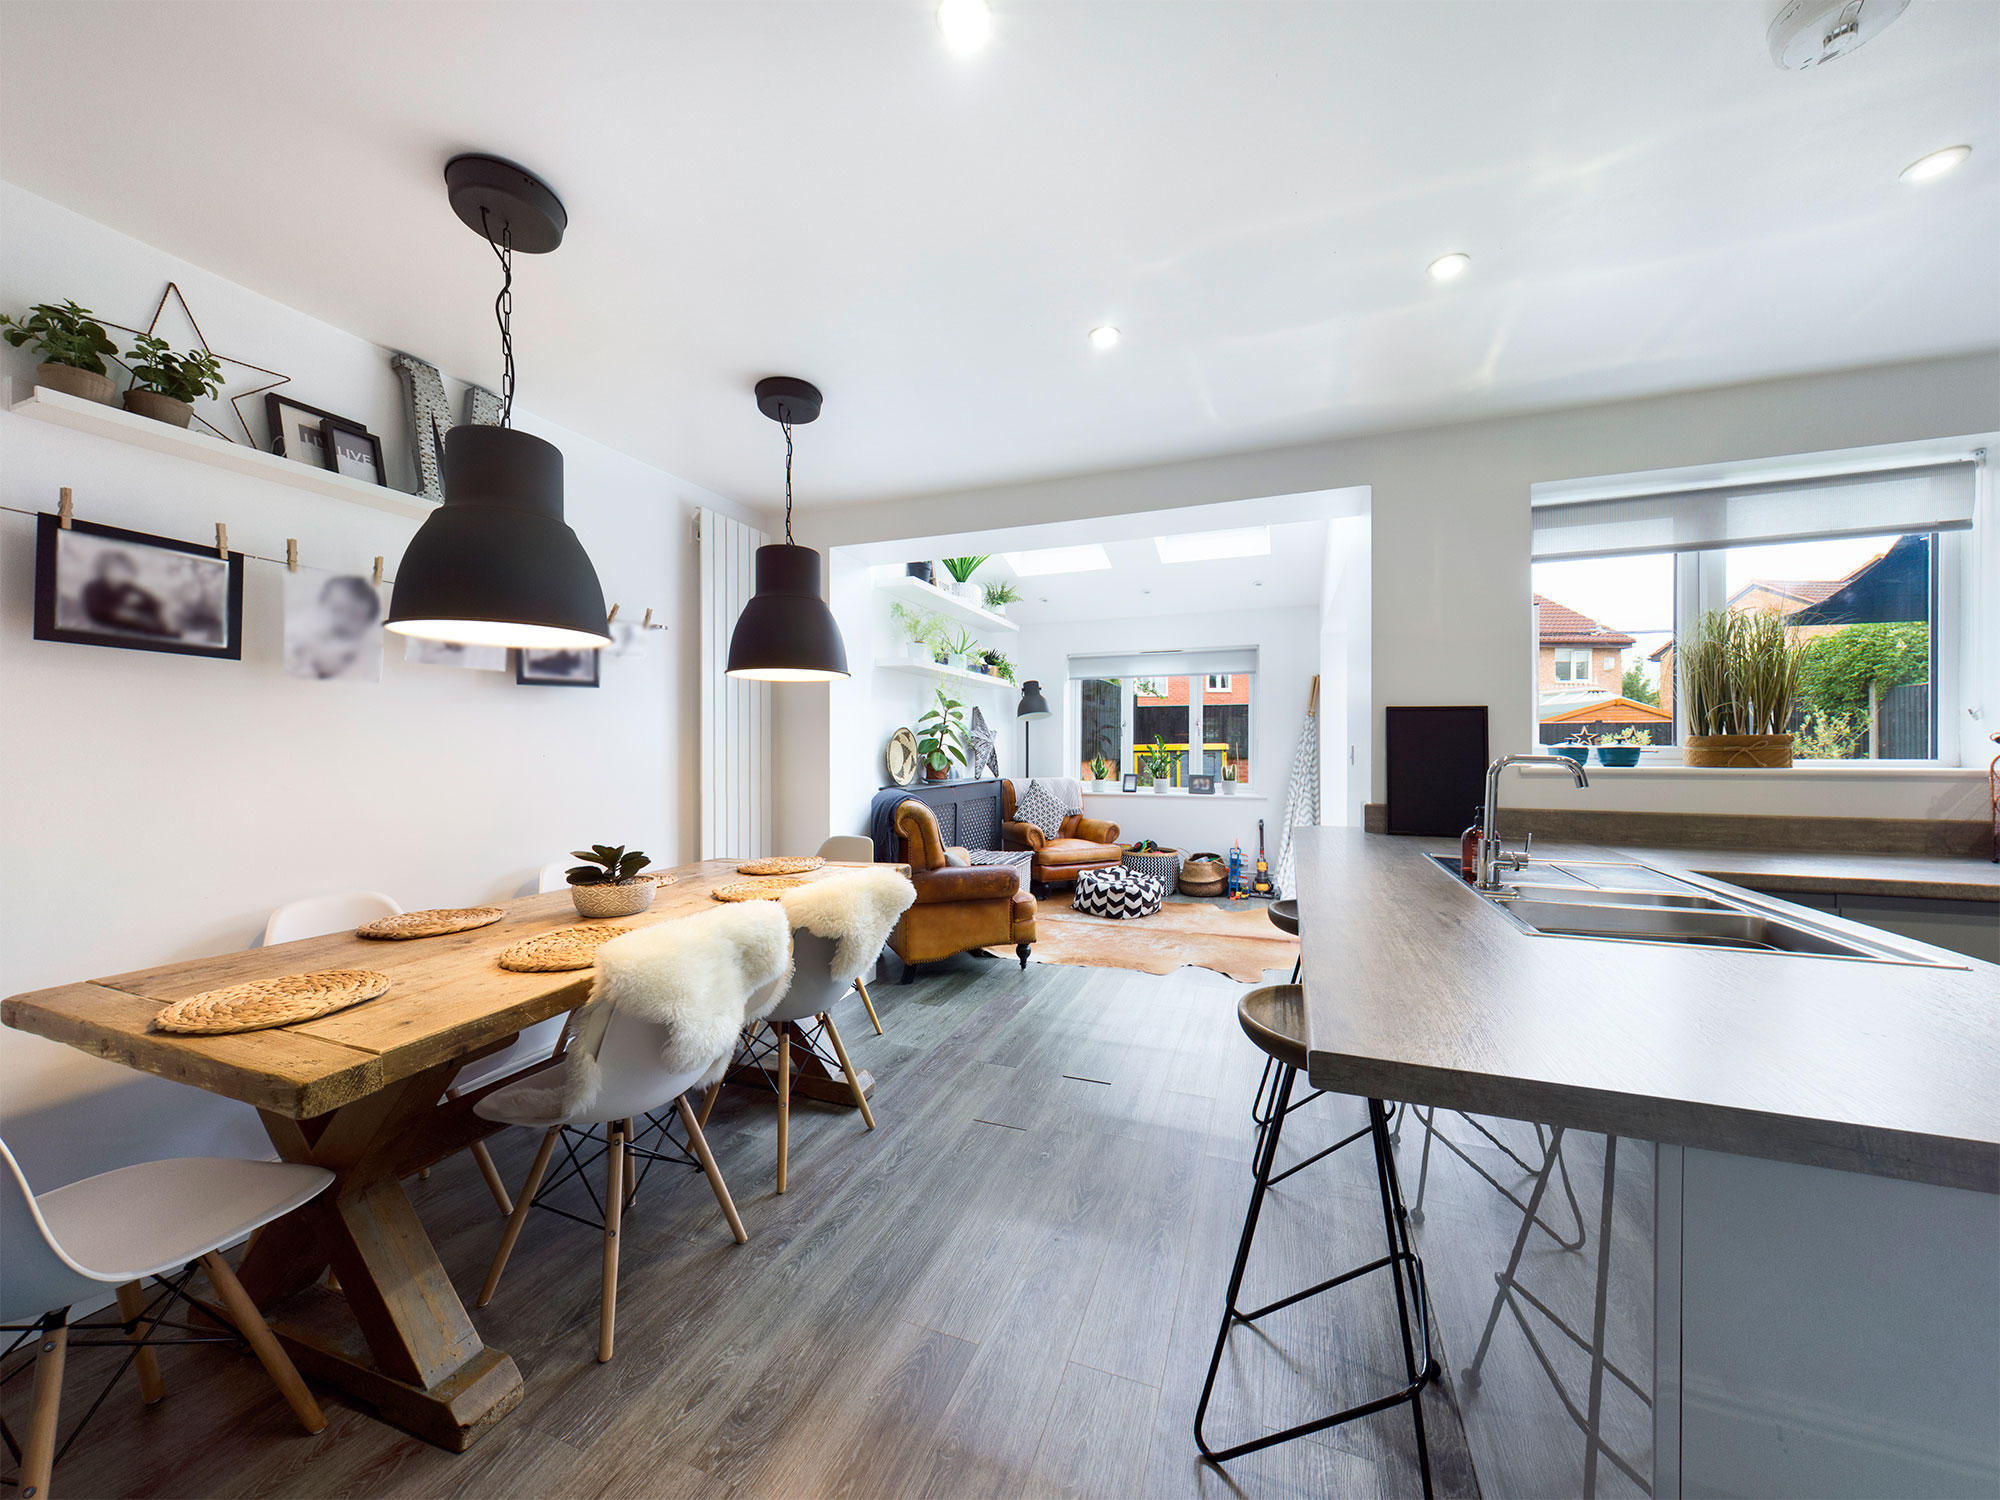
x=941, y=674
x=920, y=595
x=45, y=405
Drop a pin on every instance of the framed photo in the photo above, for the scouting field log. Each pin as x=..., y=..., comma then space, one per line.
x=296, y=432
x=1201, y=786
x=1131, y=782
x=353, y=451
x=333, y=626
x=569, y=666
x=102, y=586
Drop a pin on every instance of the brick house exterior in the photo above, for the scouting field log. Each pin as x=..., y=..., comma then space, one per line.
x=1576, y=654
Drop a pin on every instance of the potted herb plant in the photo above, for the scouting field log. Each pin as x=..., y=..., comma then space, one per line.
x=959, y=646
x=1228, y=778
x=72, y=344
x=999, y=594
x=1160, y=762
x=1739, y=680
x=961, y=570
x=941, y=737
x=1100, y=774
x=1622, y=749
x=608, y=882
x=165, y=384
x=922, y=629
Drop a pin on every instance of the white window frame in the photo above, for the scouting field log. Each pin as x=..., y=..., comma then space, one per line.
x=1128, y=691
x=1216, y=682
x=1589, y=655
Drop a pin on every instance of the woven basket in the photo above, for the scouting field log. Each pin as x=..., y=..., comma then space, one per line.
x=264, y=1003
x=626, y=899
x=1163, y=865
x=765, y=889
x=796, y=864
x=433, y=923
x=560, y=951
x=1759, y=751
x=1204, y=878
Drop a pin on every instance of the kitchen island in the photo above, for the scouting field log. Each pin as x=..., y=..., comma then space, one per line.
x=1817, y=1141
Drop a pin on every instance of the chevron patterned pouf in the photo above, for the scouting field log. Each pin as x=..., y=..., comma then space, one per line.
x=1117, y=892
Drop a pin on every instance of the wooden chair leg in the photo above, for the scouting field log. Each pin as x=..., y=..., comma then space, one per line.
x=484, y=1159
x=840, y=1051
x=132, y=1308
x=614, y=1213
x=631, y=1167
x=38, y=1453
x=700, y=1143
x=520, y=1215
x=263, y=1343
x=784, y=1030
x=708, y=1104
x=871, y=1006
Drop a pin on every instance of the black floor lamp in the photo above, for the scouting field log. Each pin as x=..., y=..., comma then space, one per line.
x=1033, y=706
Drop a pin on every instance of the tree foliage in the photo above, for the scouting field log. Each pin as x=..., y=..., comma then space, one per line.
x=1635, y=686
x=1835, y=670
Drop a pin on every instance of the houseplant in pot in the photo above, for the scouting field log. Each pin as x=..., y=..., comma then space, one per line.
x=961, y=570
x=608, y=882
x=1622, y=749
x=1000, y=593
x=941, y=737
x=1229, y=778
x=165, y=384
x=1160, y=762
x=1100, y=775
x=1739, y=680
x=998, y=664
x=1576, y=748
x=923, y=631
x=72, y=345
x=959, y=646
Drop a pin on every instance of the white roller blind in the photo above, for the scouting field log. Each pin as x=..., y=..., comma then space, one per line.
x=1166, y=663
x=1937, y=497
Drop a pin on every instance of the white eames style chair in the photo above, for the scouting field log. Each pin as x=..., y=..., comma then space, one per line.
x=158, y=1219
x=853, y=849
x=811, y=996
x=316, y=916
x=555, y=876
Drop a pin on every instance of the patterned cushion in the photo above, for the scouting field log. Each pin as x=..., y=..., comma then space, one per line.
x=1118, y=893
x=1041, y=807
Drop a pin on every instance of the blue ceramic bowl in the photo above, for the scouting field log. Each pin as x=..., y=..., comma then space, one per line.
x=1578, y=753
x=1618, y=755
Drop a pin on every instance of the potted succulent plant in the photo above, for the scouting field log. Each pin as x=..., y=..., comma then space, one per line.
x=1229, y=778
x=608, y=882
x=1160, y=762
x=72, y=344
x=1622, y=749
x=1739, y=677
x=941, y=737
x=165, y=384
x=1100, y=774
x=959, y=645
x=999, y=594
x=1576, y=747
x=961, y=570
x=999, y=665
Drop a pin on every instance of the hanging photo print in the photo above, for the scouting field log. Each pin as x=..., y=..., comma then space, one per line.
x=569, y=666
x=333, y=627
x=102, y=586
x=452, y=654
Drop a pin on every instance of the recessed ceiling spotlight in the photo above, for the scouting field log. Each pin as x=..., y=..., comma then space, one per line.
x=1924, y=168
x=1103, y=337
x=967, y=24
x=1450, y=267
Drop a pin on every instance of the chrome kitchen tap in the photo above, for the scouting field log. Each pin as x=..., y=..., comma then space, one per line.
x=1491, y=857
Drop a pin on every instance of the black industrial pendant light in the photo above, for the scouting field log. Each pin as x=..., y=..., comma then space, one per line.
x=495, y=565
x=786, y=633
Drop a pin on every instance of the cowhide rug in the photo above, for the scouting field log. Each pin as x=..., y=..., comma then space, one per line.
x=1238, y=942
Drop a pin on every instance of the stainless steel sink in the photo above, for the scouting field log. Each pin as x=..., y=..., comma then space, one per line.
x=1633, y=903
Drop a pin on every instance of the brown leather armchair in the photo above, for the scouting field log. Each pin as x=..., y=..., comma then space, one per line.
x=958, y=907
x=1082, y=843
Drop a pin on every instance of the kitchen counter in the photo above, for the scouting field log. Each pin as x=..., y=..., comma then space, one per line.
x=1418, y=989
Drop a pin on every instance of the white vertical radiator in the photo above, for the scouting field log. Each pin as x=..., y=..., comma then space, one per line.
x=735, y=715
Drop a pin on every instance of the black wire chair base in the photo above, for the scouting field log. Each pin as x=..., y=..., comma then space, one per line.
x=654, y=1139
x=1406, y=1274
x=170, y=1290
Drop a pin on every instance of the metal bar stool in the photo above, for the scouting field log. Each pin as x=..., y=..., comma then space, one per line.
x=1274, y=1018
x=1284, y=917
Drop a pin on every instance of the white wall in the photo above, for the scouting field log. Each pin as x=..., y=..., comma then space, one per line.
x=159, y=806
x=1450, y=520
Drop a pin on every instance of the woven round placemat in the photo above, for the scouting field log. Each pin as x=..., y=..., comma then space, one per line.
x=766, y=889
x=661, y=880
x=263, y=1003
x=433, y=923
x=565, y=948
x=783, y=864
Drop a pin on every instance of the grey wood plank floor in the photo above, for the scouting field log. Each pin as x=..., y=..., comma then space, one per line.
x=1010, y=1288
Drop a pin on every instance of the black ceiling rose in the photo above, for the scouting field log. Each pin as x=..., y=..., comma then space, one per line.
x=513, y=201
x=787, y=399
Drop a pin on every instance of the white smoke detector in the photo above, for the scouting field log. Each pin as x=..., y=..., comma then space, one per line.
x=1810, y=32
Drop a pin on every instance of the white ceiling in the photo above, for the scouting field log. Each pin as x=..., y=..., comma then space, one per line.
x=1138, y=585
x=1251, y=191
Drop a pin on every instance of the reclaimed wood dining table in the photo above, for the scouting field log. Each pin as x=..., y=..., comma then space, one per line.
x=363, y=1093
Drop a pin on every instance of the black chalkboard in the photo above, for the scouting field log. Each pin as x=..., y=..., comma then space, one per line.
x=1436, y=768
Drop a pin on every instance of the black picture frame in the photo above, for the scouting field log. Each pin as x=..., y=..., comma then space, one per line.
x=1201, y=786
x=1131, y=782
x=526, y=676
x=320, y=457
x=336, y=434
x=55, y=614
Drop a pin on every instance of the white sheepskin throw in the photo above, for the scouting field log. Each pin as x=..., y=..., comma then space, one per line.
x=855, y=911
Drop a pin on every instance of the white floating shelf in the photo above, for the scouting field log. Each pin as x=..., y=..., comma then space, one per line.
x=45, y=405
x=929, y=596
x=941, y=674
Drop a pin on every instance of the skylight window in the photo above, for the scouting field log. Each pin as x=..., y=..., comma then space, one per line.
x=1207, y=546
x=1089, y=558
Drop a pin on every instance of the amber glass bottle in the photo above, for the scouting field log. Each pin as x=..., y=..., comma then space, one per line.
x=1468, y=848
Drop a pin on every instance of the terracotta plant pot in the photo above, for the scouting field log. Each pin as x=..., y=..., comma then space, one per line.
x=159, y=408
x=87, y=384
x=624, y=899
x=932, y=773
x=1740, y=751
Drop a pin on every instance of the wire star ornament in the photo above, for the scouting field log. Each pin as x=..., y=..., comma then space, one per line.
x=174, y=292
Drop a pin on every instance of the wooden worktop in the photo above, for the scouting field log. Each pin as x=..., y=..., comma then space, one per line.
x=1419, y=989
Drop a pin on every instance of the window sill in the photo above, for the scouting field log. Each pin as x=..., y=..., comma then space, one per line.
x=1182, y=794
x=1822, y=771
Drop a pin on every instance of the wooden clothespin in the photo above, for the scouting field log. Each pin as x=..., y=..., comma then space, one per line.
x=291, y=554
x=647, y=623
x=378, y=572
x=65, y=505
x=222, y=541
x=613, y=616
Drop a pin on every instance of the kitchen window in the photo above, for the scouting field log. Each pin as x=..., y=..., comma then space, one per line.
x=1201, y=715
x=1867, y=568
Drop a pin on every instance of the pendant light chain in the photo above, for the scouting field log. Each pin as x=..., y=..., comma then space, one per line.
x=788, y=482
x=503, y=314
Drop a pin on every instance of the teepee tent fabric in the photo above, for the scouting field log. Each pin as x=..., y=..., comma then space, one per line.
x=1302, y=800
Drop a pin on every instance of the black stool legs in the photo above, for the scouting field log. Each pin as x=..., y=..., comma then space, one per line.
x=1402, y=1262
